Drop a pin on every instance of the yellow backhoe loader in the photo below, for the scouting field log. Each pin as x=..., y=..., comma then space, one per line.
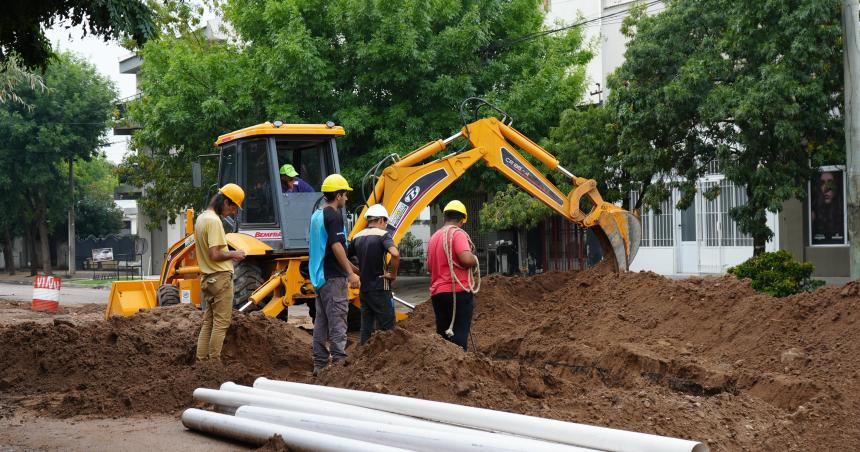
x=273, y=226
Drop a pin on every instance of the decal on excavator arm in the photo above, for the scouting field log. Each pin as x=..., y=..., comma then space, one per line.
x=420, y=188
x=523, y=171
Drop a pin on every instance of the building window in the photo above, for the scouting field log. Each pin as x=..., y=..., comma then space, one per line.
x=656, y=227
x=718, y=228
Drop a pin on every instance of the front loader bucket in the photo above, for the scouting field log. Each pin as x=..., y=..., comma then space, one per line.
x=619, y=232
x=129, y=297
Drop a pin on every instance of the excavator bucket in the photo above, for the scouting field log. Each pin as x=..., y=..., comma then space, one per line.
x=129, y=297
x=619, y=232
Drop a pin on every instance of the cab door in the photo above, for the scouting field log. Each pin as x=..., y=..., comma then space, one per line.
x=258, y=216
x=314, y=158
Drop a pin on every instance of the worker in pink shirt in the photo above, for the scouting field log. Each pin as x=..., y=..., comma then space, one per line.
x=451, y=260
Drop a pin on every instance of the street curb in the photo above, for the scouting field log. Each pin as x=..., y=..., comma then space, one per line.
x=64, y=284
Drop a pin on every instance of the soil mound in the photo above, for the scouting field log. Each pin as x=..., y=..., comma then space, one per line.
x=139, y=364
x=702, y=358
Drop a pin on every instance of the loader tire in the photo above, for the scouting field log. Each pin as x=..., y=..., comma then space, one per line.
x=167, y=295
x=247, y=277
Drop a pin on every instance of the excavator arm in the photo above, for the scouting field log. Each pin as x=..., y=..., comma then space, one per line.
x=407, y=186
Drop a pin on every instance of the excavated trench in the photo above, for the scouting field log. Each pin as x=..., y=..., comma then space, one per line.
x=708, y=359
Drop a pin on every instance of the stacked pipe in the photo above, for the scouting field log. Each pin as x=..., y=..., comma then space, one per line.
x=322, y=418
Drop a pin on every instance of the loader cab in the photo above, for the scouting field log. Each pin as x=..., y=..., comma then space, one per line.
x=252, y=158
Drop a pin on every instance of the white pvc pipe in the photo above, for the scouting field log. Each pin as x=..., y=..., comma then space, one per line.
x=546, y=429
x=294, y=403
x=419, y=439
x=291, y=402
x=234, y=399
x=256, y=432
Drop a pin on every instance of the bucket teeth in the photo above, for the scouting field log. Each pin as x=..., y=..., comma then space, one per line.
x=619, y=233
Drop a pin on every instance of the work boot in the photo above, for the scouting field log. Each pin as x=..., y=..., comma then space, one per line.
x=318, y=371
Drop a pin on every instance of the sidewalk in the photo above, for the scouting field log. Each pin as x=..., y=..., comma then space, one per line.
x=82, y=278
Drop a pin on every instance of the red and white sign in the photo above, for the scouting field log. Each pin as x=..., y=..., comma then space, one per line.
x=264, y=235
x=46, y=294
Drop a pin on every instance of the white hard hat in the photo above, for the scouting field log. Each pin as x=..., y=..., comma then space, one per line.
x=376, y=210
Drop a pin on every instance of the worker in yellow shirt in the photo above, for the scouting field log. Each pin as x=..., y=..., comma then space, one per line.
x=216, y=269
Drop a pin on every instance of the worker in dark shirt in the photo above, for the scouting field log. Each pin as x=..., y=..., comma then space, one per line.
x=370, y=247
x=291, y=182
x=330, y=273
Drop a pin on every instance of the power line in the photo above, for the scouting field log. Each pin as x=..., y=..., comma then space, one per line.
x=503, y=45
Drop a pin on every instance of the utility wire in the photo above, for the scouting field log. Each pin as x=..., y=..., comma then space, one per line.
x=497, y=47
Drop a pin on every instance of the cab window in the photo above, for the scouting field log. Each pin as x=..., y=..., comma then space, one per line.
x=258, y=207
x=227, y=173
x=307, y=158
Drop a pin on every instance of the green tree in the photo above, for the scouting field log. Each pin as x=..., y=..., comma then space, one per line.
x=67, y=121
x=513, y=208
x=97, y=217
x=96, y=178
x=12, y=76
x=754, y=87
x=23, y=22
x=95, y=211
x=392, y=73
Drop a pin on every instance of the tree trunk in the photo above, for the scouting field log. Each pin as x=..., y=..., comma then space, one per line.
x=46, y=249
x=44, y=240
x=30, y=244
x=7, y=252
x=523, y=251
x=72, y=218
x=758, y=244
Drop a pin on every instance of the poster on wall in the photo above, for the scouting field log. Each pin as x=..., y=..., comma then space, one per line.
x=827, y=220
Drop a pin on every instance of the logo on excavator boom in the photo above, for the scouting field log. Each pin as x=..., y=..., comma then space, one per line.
x=411, y=197
x=411, y=194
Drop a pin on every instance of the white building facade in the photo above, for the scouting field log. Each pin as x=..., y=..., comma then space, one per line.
x=701, y=239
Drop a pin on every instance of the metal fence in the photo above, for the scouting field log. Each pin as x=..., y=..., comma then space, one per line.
x=564, y=245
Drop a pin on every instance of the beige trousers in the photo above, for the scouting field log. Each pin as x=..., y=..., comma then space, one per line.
x=217, y=291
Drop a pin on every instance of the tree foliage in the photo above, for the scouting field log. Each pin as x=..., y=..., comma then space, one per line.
x=95, y=211
x=13, y=76
x=97, y=217
x=753, y=87
x=513, y=209
x=393, y=73
x=22, y=24
x=67, y=121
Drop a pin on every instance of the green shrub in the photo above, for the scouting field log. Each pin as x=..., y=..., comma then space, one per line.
x=777, y=274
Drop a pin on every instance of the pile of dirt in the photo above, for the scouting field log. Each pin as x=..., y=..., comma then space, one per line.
x=139, y=364
x=703, y=358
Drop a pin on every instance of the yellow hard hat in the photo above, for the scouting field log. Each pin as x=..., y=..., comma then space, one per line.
x=335, y=182
x=456, y=206
x=234, y=193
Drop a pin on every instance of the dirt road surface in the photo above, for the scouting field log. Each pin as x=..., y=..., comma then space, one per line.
x=154, y=433
x=707, y=359
x=68, y=295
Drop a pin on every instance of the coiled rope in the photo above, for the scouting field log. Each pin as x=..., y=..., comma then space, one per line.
x=473, y=275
